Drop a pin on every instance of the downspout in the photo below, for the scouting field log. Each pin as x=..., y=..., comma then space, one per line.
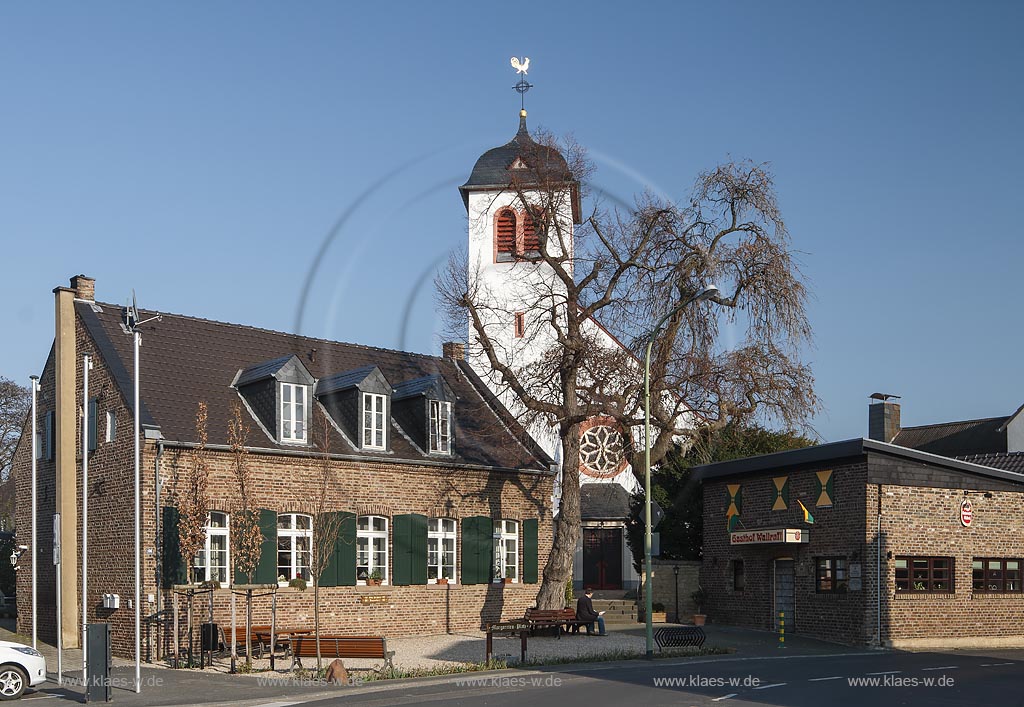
x=159, y=540
x=878, y=573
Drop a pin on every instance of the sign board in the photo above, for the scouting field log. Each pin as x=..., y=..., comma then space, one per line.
x=769, y=537
x=655, y=544
x=966, y=513
x=56, y=538
x=374, y=599
x=657, y=514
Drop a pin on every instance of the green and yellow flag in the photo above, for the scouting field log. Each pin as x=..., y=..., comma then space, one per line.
x=808, y=518
x=735, y=507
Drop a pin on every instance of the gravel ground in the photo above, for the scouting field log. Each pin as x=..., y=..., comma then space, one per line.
x=470, y=647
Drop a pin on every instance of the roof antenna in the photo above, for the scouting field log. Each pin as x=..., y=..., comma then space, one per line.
x=523, y=85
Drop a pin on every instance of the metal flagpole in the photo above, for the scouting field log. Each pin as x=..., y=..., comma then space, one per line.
x=137, y=337
x=86, y=366
x=35, y=545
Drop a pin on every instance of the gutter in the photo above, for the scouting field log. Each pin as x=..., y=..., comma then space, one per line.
x=354, y=458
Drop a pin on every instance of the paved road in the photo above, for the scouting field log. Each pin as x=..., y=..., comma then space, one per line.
x=932, y=679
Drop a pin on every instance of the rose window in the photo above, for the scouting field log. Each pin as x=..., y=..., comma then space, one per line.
x=602, y=450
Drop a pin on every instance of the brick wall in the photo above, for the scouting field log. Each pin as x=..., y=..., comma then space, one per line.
x=283, y=484
x=666, y=582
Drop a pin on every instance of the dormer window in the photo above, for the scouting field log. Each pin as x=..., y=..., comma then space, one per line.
x=293, y=412
x=440, y=427
x=374, y=415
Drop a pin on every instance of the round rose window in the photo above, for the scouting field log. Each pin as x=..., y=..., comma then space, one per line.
x=602, y=448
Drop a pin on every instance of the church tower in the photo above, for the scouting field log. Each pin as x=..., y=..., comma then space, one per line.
x=519, y=198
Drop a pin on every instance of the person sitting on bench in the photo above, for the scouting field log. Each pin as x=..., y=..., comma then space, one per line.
x=585, y=612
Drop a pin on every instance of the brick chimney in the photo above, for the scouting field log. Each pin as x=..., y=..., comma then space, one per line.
x=883, y=417
x=84, y=287
x=455, y=350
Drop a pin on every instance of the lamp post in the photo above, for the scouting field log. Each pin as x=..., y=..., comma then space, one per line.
x=710, y=291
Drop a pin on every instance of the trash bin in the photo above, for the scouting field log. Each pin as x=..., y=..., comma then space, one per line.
x=209, y=637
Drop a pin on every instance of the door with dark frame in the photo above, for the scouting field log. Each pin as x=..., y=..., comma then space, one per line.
x=602, y=558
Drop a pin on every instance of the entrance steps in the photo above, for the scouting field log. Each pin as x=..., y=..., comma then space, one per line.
x=617, y=611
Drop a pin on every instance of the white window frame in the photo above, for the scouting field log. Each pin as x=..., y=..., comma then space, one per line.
x=506, y=531
x=375, y=406
x=438, y=531
x=440, y=433
x=377, y=543
x=111, y=432
x=293, y=413
x=291, y=533
x=202, y=560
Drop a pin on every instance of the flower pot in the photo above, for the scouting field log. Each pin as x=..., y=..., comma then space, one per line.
x=373, y=582
x=506, y=580
x=442, y=580
x=698, y=619
x=658, y=617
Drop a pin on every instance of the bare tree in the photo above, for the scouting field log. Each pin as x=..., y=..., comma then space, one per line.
x=734, y=357
x=326, y=524
x=246, y=536
x=15, y=401
x=193, y=502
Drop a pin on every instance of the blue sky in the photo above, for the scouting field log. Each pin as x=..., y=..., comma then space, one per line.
x=201, y=153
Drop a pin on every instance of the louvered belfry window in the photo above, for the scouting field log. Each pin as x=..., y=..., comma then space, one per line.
x=505, y=232
x=531, y=235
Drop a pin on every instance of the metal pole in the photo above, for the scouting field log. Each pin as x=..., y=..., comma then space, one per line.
x=86, y=365
x=60, y=627
x=137, y=339
x=35, y=544
x=709, y=291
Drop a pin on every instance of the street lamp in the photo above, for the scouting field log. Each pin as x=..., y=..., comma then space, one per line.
x=707, y=292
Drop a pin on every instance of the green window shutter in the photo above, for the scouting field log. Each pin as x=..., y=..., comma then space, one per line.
x=418, y=546
x=341, y=567
x=401, y=550
x=93, y=412
x=329, y=574
x=476, y=549
x=173, y=565
x=266, y=570
x=530, y=528
x=48, y=445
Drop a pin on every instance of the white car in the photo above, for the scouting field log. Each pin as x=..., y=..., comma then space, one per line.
x=20, y=667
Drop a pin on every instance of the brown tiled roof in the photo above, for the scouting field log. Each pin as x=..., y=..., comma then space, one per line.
x=1007, y=461
x=185, y=360
x=954, y=439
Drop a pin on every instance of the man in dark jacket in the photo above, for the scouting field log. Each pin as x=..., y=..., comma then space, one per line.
x=585, y=612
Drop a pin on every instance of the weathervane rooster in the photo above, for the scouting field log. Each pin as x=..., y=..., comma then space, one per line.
x=521, y=67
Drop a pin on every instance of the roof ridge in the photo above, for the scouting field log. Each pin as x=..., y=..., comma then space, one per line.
x=953, y=422
x=281, y=333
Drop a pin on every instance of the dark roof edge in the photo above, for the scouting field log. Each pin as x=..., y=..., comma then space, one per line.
x=954, y=422
x=307, y=454
x=844, y=449
x=118, y=370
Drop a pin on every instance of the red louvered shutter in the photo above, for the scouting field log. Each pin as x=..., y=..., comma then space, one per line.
x=505, y=231
x=531, y=237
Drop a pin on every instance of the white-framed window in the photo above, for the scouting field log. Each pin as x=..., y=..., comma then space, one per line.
x=111, y=432
x=211, y=563
x=374, y=409
x=506, y=550
x=371, y=548
x=293, y=412
x=294, y=546
x=440, y=427
x=441, y=562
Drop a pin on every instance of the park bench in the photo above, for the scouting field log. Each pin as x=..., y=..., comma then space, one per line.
x=259, y=639
x=341, y=647
x=558, y=619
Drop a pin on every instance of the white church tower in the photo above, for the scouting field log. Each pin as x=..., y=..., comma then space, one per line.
x=507, y=199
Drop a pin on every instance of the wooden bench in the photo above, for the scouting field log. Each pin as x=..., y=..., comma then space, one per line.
x=259, y=639
x=342, y=647
x=554, y=618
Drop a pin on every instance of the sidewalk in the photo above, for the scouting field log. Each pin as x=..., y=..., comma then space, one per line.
x=164, y=686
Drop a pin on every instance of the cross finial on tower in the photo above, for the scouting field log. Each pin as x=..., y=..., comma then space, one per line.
x=523, y=85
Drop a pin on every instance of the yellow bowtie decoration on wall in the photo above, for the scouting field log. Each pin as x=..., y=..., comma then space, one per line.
x=732, y=513
x=781, y=500
x=825, y=492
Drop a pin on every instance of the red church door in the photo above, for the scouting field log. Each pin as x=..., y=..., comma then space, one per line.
x=602, y=558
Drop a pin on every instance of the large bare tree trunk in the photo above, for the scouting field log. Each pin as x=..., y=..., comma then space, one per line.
x=558, y=569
